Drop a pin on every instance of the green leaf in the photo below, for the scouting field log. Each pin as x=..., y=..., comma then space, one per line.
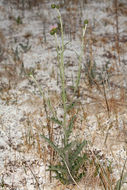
x=69, y=129
x=61, y=178
x=79, y=162
x=58, y=168
x=56, y=121
x=80, y=176
x=78, y=150
x=69, y=146
x=53, y=146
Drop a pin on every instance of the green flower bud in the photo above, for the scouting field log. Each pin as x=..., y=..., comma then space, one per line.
x=53, y=6
x=85, y=22
x=53, y=31
x=57, y=7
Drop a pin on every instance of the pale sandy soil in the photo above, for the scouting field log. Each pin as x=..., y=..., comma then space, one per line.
x=24, y=155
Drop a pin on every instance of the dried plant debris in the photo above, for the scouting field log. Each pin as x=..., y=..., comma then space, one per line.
x=95, y=95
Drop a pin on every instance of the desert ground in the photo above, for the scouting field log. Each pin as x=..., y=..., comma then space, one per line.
x=30, y=80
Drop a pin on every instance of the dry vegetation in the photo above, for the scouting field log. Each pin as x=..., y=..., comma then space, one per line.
x=100, y=110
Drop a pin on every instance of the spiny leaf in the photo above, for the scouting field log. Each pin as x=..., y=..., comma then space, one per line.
x=79, y=162
x=69, y=146
x=61, y=178
x=69, y=130
x=58, y=168
x=80, y=176
x=53, y=146
x=56, y=120
x=78, y=150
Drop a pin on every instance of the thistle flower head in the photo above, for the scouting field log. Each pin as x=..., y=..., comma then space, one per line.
x=53, y=6
x=53, y=29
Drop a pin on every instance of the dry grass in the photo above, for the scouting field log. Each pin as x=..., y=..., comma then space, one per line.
x=106, y=112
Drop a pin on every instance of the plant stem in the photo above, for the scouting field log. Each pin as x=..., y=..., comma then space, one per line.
x=80, y=59
x=62, y=73
x=71, y=176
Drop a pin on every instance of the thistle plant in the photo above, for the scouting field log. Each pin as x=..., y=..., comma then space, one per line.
x=72, y=160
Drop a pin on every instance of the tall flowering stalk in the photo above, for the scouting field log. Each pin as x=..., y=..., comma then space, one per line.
x=60, y=57
x=67, y=171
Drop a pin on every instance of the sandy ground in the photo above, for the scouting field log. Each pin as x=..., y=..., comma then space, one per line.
x=26, y=47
